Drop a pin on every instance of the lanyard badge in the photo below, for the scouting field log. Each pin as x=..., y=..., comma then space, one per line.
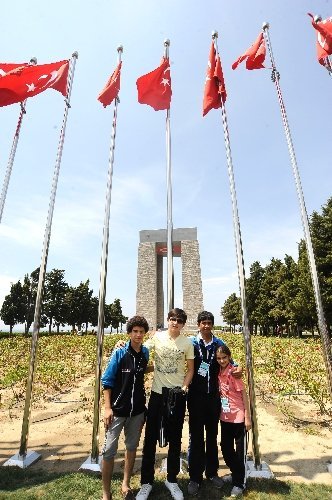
x=203, y=369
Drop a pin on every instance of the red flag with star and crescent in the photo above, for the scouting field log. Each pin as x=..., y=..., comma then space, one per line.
x=255, y=55
x=324, y=39
x=112, y=87
x=24, y=81
x=154, y=88
x=214, y=89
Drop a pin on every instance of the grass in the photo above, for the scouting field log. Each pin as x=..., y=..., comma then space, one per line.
x=32, y=484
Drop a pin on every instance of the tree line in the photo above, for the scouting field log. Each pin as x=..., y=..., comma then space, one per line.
x=280, y=295
x=62, y=304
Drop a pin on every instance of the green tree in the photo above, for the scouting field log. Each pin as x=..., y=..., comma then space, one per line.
x=94, y=304
x=231, y=311
x=116, y=314
x=30, y=286
x=303, y=304
x=13, y=307
x=321, y=231
x=78, y=305
x=54, y=301
x=93, y=315
x=254, y=296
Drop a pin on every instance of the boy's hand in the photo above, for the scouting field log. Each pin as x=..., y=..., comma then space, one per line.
x=108, y=417
x=237, y=372
x=120, y=343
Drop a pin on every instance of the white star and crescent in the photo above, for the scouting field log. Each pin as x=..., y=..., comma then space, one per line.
x=32, y=87
x=164, y=81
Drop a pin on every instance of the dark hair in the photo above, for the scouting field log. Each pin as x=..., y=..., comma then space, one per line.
x=205, y=316
x=177, y=313
x=137, y=321
x=224, y=349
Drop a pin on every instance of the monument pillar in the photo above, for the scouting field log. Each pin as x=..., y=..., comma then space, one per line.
x=191, y=281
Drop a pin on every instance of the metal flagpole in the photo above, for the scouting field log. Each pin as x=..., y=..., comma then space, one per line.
x=11, y=159
x=241, y=275
x=93, y=463
x=327, y=353
x=170, y=271
x=23, y=458
x=318, y=19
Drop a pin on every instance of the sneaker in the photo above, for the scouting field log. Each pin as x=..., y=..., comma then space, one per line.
x=193, y=488
x=144, y=492
x=236, y=491
x=227, y=478
x=174, y=490
x=217, y=481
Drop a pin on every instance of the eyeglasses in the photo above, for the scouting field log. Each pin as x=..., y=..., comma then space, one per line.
x=176, y=320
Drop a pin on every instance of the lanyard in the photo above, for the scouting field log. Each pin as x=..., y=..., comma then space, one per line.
x=226, y=384
x=209, y=353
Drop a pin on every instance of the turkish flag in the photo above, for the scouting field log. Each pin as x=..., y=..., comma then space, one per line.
x=324, y=38
x=112, y=87
x=5, y=68
x=27, y=81
x=154, y=88
x=255, y=55
x=214, y=89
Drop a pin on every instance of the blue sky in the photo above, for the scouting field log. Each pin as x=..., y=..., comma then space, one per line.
x=267, y=201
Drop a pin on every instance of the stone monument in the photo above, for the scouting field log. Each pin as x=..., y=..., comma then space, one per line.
x=150, y=290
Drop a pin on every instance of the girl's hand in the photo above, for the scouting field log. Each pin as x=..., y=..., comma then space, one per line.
x=237, y=371
x=247, y=423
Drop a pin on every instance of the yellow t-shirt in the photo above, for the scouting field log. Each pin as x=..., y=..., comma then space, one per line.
x=170, y=357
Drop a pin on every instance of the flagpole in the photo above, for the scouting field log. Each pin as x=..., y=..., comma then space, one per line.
x=170, y=271
x=327, y=353
x=318, y=19
x=92, y=462
x=23, y=459
x=241, y=276
x=12, y=154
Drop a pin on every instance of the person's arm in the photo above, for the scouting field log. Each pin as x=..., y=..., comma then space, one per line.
x=108, y=412
x=149, y=368
x=189, y=374
x=247, y=417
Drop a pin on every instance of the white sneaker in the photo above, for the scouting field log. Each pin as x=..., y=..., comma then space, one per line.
x=236, y=491
x=144, y=492
x=174, y=490
x=227, y=478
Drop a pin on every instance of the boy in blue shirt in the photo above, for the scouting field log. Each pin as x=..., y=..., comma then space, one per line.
x=124, y=395
x=204, y=406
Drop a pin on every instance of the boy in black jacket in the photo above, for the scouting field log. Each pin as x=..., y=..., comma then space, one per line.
x=124, y=394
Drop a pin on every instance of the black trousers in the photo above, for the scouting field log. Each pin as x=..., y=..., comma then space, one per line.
x=232, y=448
x=204, y=412
x=155, y=410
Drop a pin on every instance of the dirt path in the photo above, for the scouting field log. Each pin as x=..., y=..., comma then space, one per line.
x=61, y=431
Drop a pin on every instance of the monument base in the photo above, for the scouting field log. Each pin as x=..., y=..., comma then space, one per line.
x=92, y=465
x=23, y=461
x=263, y=471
